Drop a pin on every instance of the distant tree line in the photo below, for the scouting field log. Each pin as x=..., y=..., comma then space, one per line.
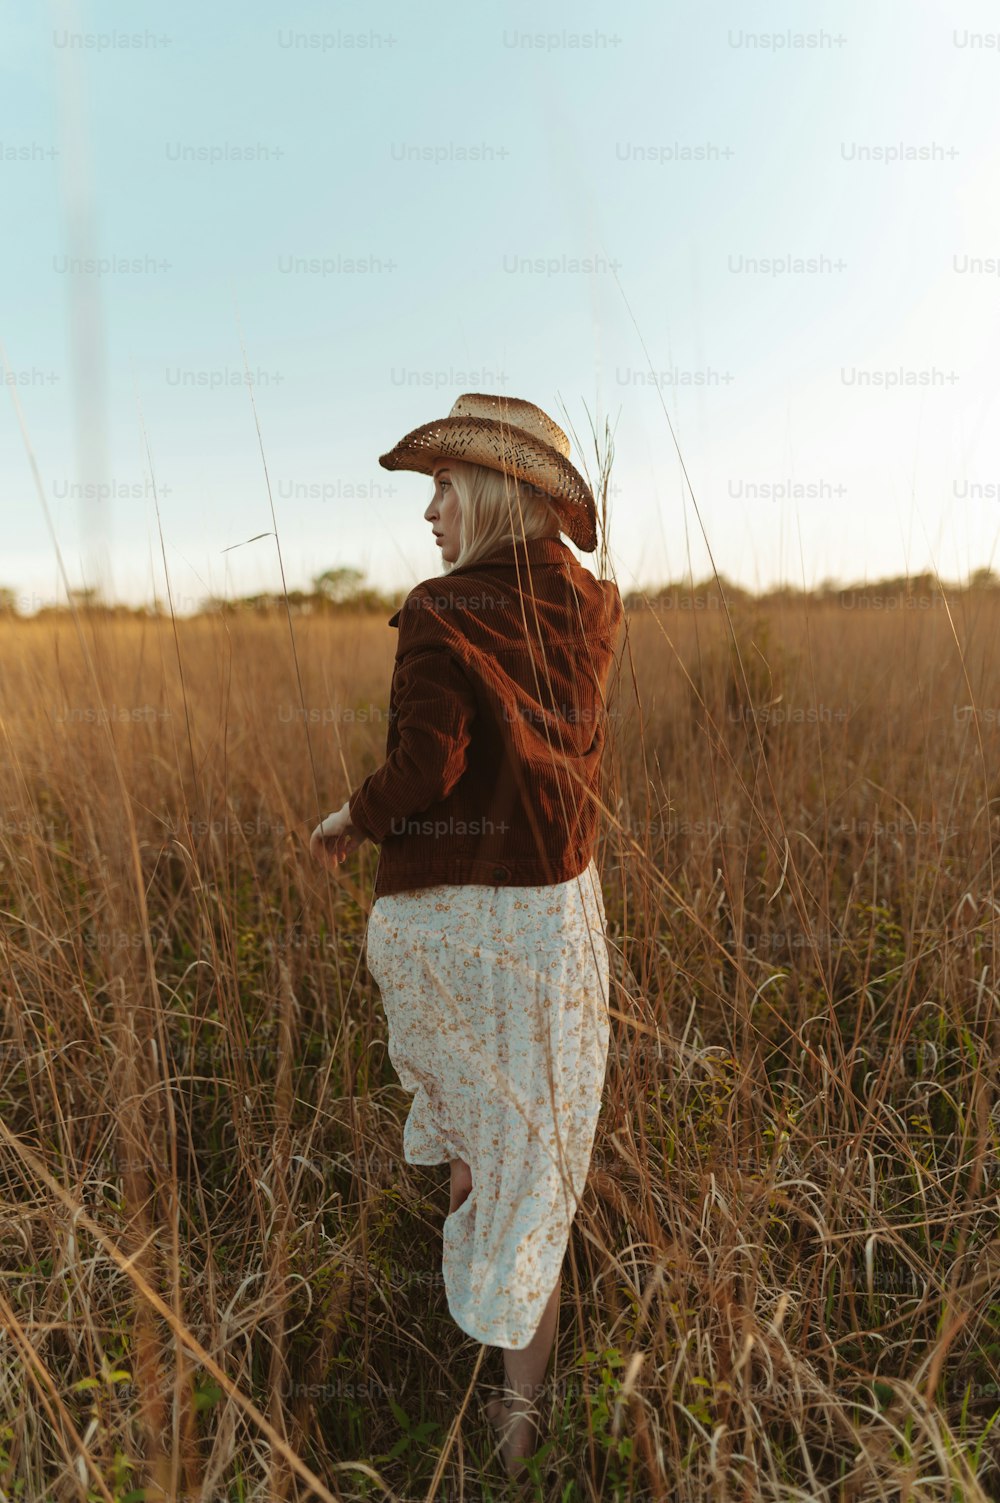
x=344, y=589
x=332, y=591
x=716, y=591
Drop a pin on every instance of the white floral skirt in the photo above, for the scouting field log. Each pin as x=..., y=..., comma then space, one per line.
x=496, y=1000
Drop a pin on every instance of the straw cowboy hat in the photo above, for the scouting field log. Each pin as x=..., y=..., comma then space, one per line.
x=515, y=437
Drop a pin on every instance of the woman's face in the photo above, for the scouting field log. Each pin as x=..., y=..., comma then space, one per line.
x=443, y=514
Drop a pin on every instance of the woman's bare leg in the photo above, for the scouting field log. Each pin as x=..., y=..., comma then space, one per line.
x=461, y=1183
x=510, y=1411
x=525, y=1372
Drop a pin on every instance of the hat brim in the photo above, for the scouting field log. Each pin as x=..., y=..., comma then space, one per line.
x=514, y=451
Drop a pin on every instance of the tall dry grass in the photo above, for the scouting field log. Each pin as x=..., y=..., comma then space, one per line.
x=220, y=1280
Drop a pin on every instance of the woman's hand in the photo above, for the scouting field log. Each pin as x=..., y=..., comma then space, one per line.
x=333, y=841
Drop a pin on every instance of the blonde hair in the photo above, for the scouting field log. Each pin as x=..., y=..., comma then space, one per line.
x=496, y=508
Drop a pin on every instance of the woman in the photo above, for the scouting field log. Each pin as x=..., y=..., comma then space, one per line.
x=486, y=937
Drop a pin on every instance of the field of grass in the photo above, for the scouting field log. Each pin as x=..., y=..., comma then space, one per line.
x=220, y=1280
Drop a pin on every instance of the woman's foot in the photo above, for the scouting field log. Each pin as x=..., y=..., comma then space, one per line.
x=510, y=1416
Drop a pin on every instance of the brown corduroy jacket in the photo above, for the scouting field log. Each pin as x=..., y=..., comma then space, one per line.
x=497, y=724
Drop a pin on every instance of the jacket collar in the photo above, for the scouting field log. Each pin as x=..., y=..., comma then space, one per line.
x=526, y=550
x=534, y=550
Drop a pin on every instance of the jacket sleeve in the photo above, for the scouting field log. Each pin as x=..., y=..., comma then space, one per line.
x=435, y=705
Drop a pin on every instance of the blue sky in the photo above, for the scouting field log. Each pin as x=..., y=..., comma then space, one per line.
x=209, y=152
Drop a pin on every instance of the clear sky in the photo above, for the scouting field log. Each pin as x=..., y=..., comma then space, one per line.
x=394, y=204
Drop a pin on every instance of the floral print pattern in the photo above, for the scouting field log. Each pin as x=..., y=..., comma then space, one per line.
x=496, y=1000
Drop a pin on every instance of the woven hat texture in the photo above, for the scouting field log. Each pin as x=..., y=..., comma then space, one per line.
x=513, y=436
